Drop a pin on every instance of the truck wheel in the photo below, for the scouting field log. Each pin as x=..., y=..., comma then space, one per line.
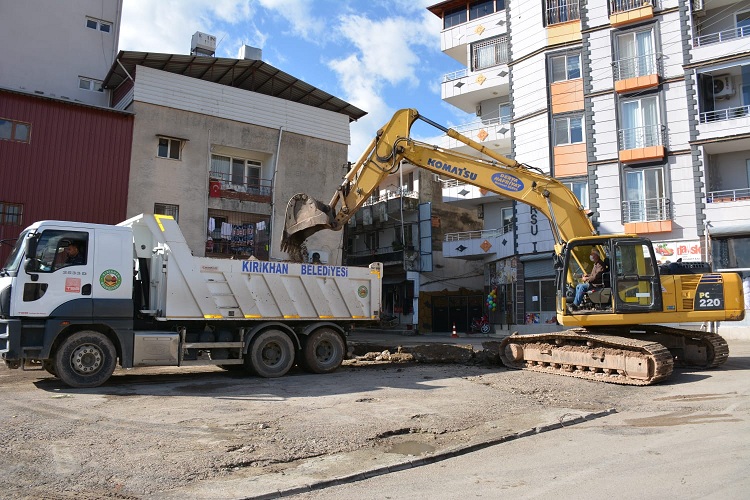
x=271, y=354
x=323, y=351
x=85, y=359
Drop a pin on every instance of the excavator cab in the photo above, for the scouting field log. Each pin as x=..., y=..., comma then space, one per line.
x=630, y=283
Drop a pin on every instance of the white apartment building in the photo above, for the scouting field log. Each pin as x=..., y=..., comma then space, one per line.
x=641, y=107
x=59, y=49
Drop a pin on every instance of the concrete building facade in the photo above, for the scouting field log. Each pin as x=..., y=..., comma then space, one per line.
x=59, y=49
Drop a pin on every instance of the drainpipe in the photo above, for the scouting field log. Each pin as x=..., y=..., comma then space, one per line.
x=271, y=225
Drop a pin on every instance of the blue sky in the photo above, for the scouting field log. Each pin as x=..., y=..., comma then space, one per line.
x=380, y=55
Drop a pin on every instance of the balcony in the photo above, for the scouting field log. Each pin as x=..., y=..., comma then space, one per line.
x=641, y=143
x=652, y=215
x=223, y=185
x=637, y=73
x=563, y=21
x=467, y=89
x=455, y=40
x=717, y=44
x=476, y=245
x=723, y=123
x=494, y=134
x=465, y=195
x=387, y=255
x=726, y=210
x=624, y=12
x=387, y=206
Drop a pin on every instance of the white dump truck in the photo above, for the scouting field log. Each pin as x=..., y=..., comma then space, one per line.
x=75, y=298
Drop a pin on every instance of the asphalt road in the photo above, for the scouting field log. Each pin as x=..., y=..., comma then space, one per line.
x=695, y=445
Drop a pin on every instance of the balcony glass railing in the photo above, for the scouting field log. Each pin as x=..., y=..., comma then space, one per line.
x=480, y=124
x=617, y=6
x=725, y=114
x=631, y=67
x=476, y=235
x=456, y=75
x=648, y=210
x=391, y=195
x=729, y=195
x=640, y=137
x=722, y=36
x=238, y=183
x=562, y=11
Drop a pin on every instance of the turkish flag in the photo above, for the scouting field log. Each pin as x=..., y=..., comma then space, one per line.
x=214, y=189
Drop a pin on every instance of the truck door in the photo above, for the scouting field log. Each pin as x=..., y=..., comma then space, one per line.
x=57, y=276
x=636, y=285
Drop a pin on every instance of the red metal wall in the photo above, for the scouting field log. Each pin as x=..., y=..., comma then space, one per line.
x=75, y=167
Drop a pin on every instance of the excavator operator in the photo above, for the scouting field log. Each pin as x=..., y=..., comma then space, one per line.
x=596, y=277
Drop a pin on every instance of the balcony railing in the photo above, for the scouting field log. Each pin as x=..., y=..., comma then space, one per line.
x=722, y=36
x=648, y=210
x=617, y=6
x=640, y=137
x=456, y=75
x=391, y=195
x=249, y=185
x=562, y=11
x=381, y=254
x=729, y=195
x=476, y=235
x=725, y=114
x=631, y=67
x=479, y=124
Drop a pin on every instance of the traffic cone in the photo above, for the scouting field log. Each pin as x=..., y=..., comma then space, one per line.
x=454, y=334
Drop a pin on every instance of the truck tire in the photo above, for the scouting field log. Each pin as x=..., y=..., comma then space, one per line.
x=323, y=351
x=85, y=359
x=270, y=355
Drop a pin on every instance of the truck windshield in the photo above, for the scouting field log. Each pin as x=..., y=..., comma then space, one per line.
x=14, y=259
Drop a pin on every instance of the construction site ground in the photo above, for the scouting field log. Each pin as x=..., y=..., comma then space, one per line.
x=210, y=433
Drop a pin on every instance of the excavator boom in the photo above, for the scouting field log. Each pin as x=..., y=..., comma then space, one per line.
x=392, y=145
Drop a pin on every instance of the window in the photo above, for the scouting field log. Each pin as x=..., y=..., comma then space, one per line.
x=11, y=130
x=454, y=17
x=90, y=84
x=96, y=24
x=640, y=123
x=562, y=11
x=169, y=148
x=635, y=52
x=167, y=209
x=57, y=249
x=490, y=52
x=743, y=23
x=481, y=8
x=568, y=130
x=506, y=214
x=540, y=296
x=731, y=252
x=645, y=196
x=566, y=67
x=505, y=113
x=580, y=189
x=10, y=213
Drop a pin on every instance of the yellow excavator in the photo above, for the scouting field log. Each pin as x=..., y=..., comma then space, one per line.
x=618, y=334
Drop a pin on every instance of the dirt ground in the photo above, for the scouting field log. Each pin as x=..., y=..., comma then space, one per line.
x=168, y=432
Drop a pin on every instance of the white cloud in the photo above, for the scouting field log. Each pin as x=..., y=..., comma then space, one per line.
x=300, y=15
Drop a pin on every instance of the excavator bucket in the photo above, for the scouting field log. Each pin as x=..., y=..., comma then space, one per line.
x=305, y=216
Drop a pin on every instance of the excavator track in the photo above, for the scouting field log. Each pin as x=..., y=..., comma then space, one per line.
x=688, y=347
x=582, y=354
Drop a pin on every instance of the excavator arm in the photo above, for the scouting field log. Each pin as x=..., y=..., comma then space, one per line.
x=392, y=145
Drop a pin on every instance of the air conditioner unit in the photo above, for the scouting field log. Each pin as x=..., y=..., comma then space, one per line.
x=723, y=86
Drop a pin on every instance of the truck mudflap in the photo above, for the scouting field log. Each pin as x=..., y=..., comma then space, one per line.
x=578, y=353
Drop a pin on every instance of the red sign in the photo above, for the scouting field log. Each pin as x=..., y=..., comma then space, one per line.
x=214, y=189
x=72, y=285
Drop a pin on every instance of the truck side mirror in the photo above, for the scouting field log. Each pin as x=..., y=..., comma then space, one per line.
x=31, y=264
